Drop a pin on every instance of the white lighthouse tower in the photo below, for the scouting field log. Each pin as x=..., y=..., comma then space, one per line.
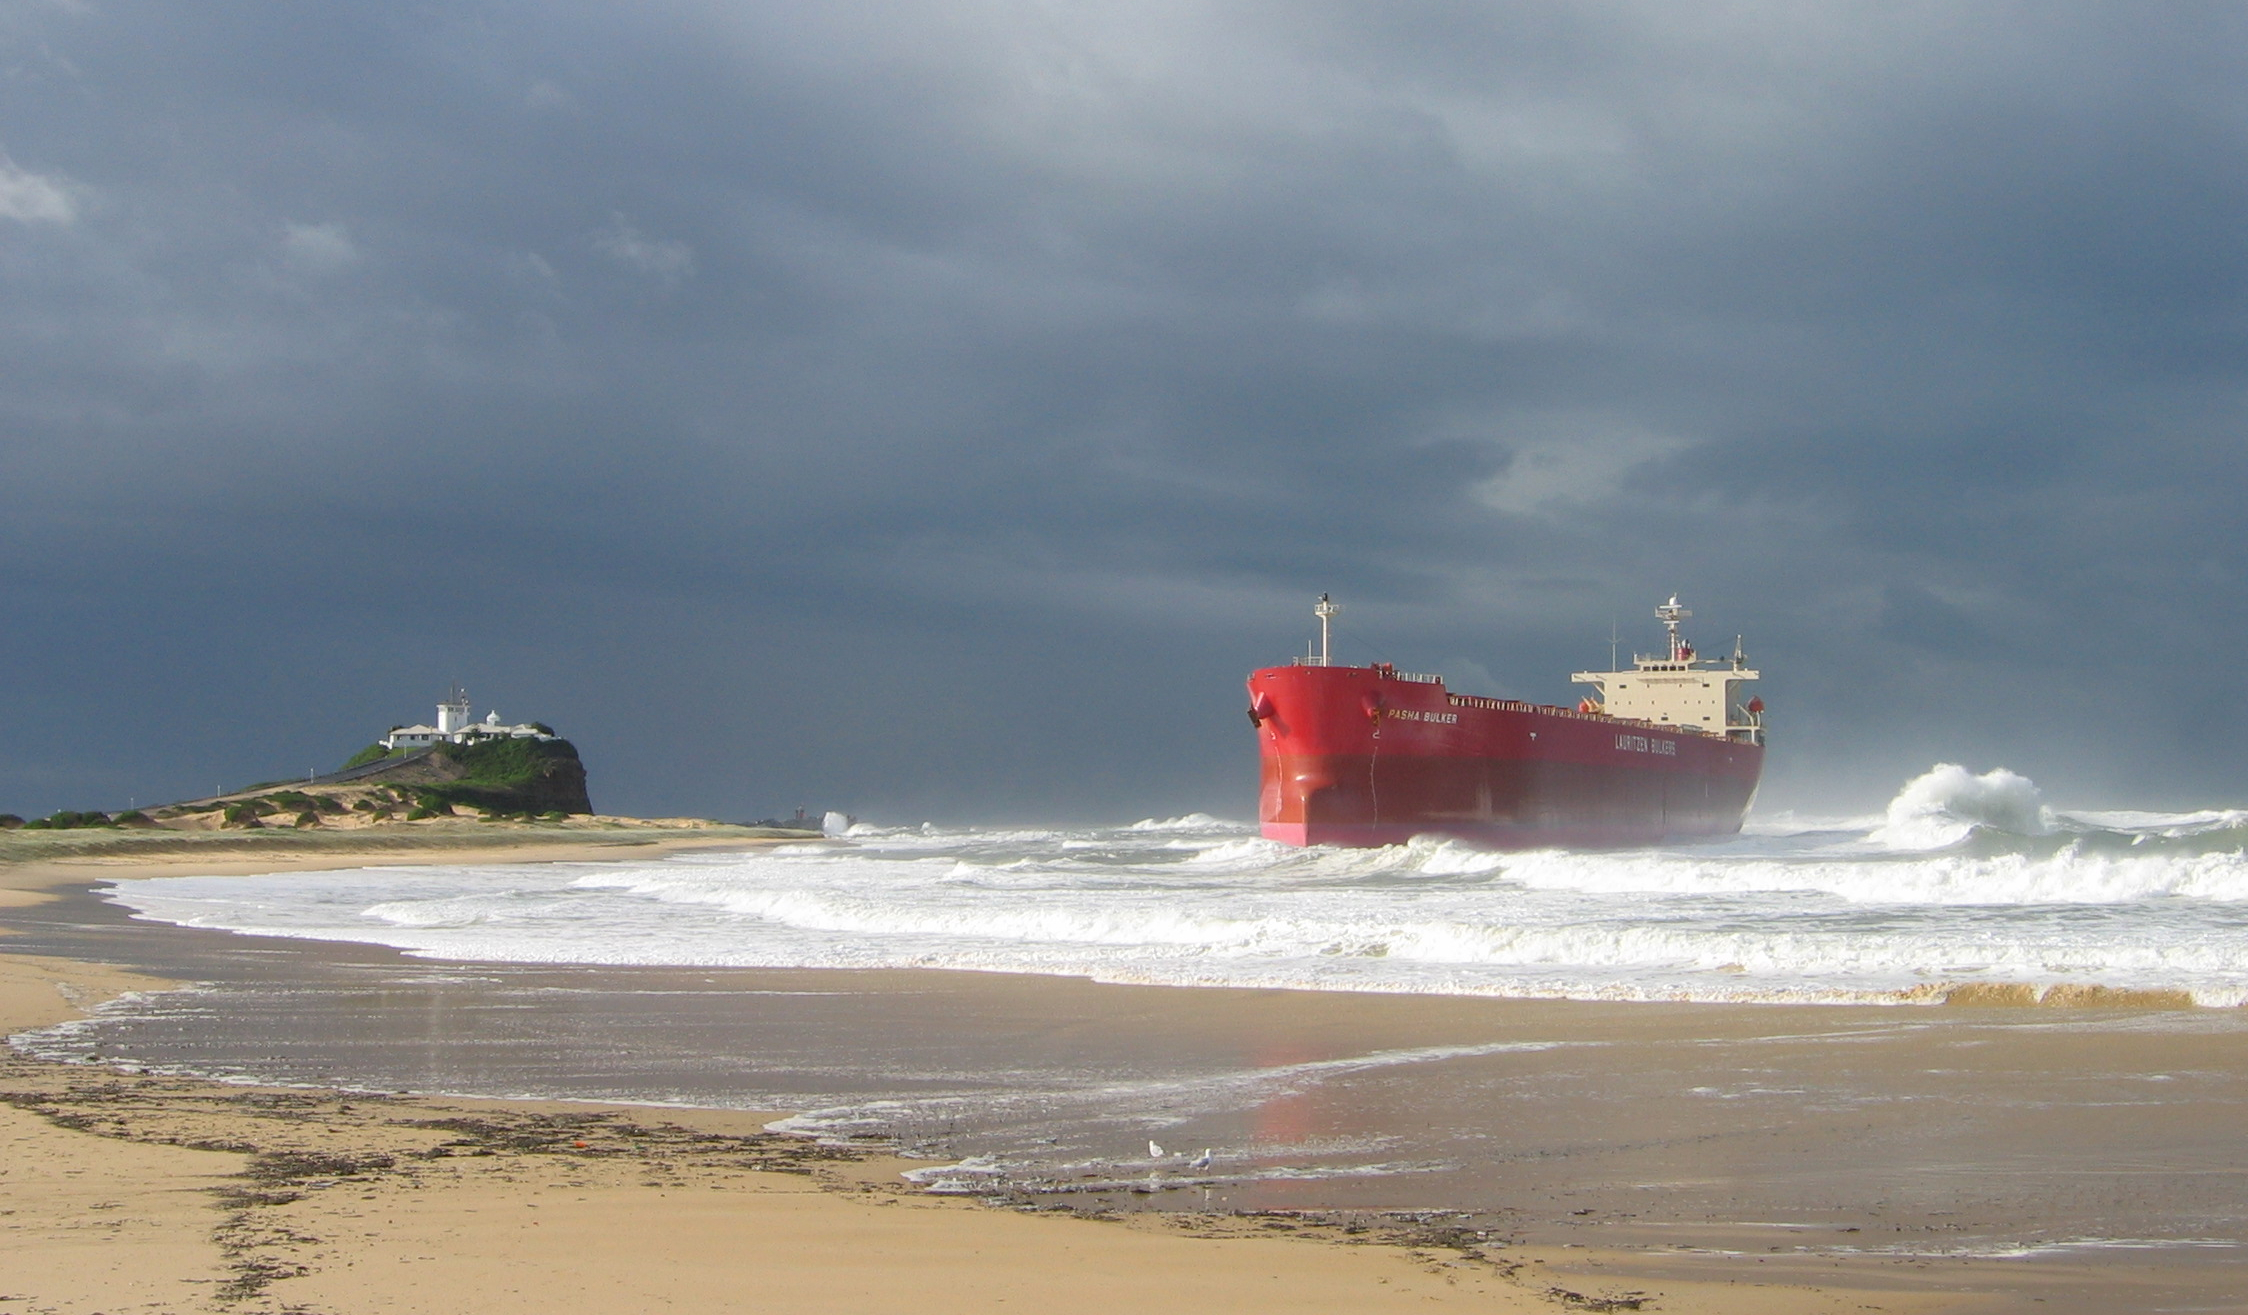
x=452, y=714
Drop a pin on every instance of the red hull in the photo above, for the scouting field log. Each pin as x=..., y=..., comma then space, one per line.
x=1361, y=756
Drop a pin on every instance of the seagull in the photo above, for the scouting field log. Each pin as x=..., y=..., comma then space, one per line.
x=1154, y=1152
x=1201, y=1161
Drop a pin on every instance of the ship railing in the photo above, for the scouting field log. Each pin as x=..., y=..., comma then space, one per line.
x=1554, y=710
x=1519, y=705
x=1416, y=677
x=1497, y=705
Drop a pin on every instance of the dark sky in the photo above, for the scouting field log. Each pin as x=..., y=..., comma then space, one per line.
x=935, y=410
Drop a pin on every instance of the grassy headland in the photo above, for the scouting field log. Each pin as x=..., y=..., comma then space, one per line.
x=352, y=836
x=380, y=799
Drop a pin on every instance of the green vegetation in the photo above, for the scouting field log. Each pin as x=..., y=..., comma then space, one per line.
x=66, y=820
x=9, y=821
x=246, y=814
x=297, y=801
x=372, y=753
x=512, y=776
x=503, y=762
x=511, y=779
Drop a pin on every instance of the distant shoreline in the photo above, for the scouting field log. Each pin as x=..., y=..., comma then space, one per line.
x=523, y=841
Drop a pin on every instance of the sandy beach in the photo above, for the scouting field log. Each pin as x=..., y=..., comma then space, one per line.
x=141, y=1191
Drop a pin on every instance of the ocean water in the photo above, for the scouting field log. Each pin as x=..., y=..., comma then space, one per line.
x=1964, y=878
x=1391, y=1082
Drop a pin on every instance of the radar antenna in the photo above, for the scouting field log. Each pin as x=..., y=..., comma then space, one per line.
x=1671, y=614
x=1326, y=613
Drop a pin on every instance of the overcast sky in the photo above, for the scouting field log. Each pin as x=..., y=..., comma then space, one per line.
x=935, y=410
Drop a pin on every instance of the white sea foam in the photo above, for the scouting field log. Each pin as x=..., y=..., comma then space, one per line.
x=2165, y=825
x=1191, y=822
x=1965, y=877
x=1942, y=806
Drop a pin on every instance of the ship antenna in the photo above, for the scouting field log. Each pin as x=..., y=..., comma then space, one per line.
x=1326, y=613
x=1612, y=643
x=1671, y=614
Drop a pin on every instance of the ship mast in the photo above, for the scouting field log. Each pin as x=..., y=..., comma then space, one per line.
x=1326, y=613
x=1671, y=614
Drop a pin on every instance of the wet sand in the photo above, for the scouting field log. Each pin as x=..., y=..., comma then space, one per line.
x=1720, y=1157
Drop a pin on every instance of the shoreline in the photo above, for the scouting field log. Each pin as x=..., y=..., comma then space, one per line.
x=290, y=850
x=605, y=839
x=214, y=1196
x=850, y=1193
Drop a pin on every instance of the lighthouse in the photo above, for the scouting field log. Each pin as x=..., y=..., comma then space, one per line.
x=452, y=714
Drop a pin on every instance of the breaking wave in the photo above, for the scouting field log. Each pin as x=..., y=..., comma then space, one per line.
x=1965, y=883
x=1948, y=803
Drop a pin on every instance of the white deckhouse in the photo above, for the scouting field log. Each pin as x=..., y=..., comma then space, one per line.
x=1680, y=689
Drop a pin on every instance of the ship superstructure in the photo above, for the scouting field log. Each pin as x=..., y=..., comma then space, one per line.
x=1679, y=688
x=1372, y=755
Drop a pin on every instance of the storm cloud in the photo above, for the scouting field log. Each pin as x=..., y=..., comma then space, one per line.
x=936, y=410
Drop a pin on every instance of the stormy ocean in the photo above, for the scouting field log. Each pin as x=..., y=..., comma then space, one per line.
x=1679, y=1047
x=1964, y=879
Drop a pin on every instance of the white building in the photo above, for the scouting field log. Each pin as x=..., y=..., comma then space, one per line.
x=454, y=727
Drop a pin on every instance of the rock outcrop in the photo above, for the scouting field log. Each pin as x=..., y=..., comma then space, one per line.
x=502, y=776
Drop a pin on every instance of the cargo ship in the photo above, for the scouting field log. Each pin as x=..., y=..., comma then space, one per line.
x=1363, y=756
